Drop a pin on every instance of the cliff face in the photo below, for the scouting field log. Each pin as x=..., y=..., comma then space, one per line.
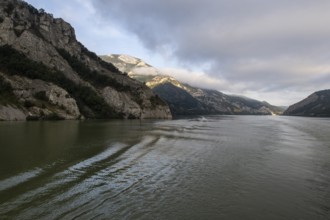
x=184, y=99
x=49, y=74
x=317, y=104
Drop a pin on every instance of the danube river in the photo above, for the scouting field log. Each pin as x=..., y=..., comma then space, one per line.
x=212, y=167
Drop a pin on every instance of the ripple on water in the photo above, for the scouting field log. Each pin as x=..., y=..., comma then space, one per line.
x=217, y=167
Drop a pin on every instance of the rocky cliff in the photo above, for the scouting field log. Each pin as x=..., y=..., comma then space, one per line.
x=317, y=104
x=185, y=99
x=48, y=74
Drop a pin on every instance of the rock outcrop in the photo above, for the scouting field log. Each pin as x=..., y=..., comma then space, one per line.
x=184, y=99
x=37, y=99
x=317, y=104
x=49, y=73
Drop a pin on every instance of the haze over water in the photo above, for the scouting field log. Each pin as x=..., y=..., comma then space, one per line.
x=217, y=167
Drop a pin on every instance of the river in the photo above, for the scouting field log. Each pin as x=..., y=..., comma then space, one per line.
x=212, y=167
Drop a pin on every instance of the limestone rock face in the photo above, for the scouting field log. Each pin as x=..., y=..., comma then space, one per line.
x=122, y=102
x=37, y=99
x=76, y=83
x=142, y=108
x=37, y=34
x=11, y=113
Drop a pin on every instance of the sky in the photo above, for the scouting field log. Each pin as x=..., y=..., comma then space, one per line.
x=277, y=51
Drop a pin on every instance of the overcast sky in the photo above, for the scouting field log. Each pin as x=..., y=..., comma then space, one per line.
x=278, y=51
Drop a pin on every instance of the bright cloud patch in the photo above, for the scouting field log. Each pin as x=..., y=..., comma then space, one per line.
x=254, y=45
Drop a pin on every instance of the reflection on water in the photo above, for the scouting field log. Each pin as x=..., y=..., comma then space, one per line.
x=219, y=167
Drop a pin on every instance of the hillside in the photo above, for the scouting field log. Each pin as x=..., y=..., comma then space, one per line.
x=193, y=100
x=45, y=73
x=180, y=101
x=317, y=104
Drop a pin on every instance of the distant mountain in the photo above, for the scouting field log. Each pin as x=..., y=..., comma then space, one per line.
x=45, y=73
x=133, y=67
x=317, y=104
x=180, y=101
x=184, y=99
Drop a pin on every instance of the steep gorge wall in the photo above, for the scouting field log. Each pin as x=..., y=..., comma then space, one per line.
x=49, y=44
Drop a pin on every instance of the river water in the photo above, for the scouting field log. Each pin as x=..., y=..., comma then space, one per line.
x=217, y=167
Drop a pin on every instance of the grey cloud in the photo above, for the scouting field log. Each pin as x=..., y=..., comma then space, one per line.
x=261, y=43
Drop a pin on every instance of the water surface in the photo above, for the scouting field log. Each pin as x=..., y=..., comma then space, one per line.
x=219, y=167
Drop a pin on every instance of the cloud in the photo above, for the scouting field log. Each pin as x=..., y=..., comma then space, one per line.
x=100, y=35
x=199, y=79
x=253, y=45
x=274, y=50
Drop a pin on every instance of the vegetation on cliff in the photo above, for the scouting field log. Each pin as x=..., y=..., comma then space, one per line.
x=50, y=71
x=184, y=99
x=6, y=92
x=317, y=104
x=13, y=62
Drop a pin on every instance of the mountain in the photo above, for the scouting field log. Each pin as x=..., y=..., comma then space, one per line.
x=185, y=99
x=180, y=101
x=45, y=73
x=132, y=66
x=317, y=104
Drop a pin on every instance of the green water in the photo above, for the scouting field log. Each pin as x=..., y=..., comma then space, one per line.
x=219, y=167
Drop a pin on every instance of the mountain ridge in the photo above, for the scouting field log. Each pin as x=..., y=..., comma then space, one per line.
x=210, y=101
x=317, y=104
x=45, y=67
